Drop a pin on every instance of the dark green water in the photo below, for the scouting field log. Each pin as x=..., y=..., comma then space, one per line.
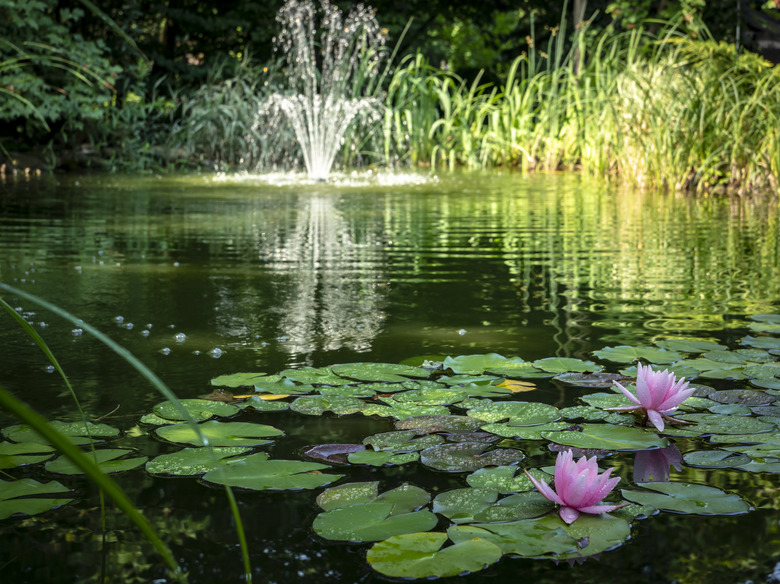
x=371, y=269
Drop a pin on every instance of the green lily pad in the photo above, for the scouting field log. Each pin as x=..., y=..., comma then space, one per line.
x=515, y=507
x=732, y=373
x=75, y=431
x=722, y=424
x=314, y=376
x=370, y=522
x=199, y=409
x=770, y=318
x=220, y=433
x=690, y=345
x=763, y=370
x=373, y=458
x=629, y=354
x=518, y=413
x=420, y=555
x=766, y=383
x=523, y=370
x=194, y=461
x=687, y=498
x=565, y=365
x=748, y=397
x=505, y=479
x=599, y=379
x=725, y=357
x=524, y=432
x=405, y=498
x=761, y=342
x=461, y=505
x=715, y=459
x=13, y=455
x=608, y=437
x=430, y=424
x=468, y=379
x=431, y=397
x=259, y=474
x=478, y=364
x=316, y=405
x=592, y=414
x=108, y=459
x=244, y=379
x=154, y=420
x=283, y=386
x=765, y=327
x=25, y=497
x=730, y=409
x=422, y=384
x=467, y=456
x=402, y=441
x=264, y=405
x=677, y=369
x=386, y=372
x=359, y=391
x=401, y=411
x=608, y=400
x=476, y=390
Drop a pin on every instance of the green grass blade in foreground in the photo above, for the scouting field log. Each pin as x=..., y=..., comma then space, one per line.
x=81, y=460
x=157, y=383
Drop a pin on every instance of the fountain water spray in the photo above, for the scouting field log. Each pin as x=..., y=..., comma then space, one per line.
x=331, y=82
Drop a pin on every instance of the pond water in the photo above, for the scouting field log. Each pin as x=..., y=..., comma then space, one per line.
x=203, y=275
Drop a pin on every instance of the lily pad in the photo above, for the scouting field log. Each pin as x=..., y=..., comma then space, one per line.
x=283, y=386
x=401, y=411
x=504, y=479
x=263, y=405
x=461, y=505
x=687, y=498
x=405, y=498
x=364, y=390
x=478, y=364
x=75, y=432
x=14, y=455
x=420, y=555
x=565, y=364
x=314, y=376
x=599, y=379
x=467, y=456
x=26, y=497
x=522, y=370
x=194, y=461
x=316, y=405
x=259, y=474
x=220, y=433
x=518, y=413
x=748, y=397
x=370, y=522
x=690, y=345
x=244, y=379
x=386, y=372
x=722, y=424
x=524, y=432
x=761, y=342
x=108, y=459
x=430, y=424
x=629, y=354
x=402, y=441
x=608, y=437
x=431, y=397
x=715, y=459
x=468, y=379
x=332, y=453
x=373, y=458
x=199, y=409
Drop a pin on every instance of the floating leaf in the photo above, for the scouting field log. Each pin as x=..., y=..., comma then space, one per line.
x=314, y=376
x=608, y=437
x=199, y=409
x=690, y=345
x=467, y=456
x=565, y=364
x=524, y=432
x=405, y=498
x=715, y=459
x=220, y=433
x=108, y=459
x=516, y=386
x=478, y=364
x=599, y=379
x=244, y=379
x=75, y=431
x=259, y=474
x=316, y=405
x=607, y=400
x=520, y=369
x=373, y=458
x=761, y=342
x=284, y=387
x=259, y=404
x=460, y=505
x=401, y=411
x=628, y=354
x=332, y=453
x=430, y=424
x=748, y=397
x=518, y=413
x=468, y=379
x=386, y=372
x=687, y=498
x=402, y=441
x=194, y=461
x=765, y=327
x=364, y=390
x=505, y=479
x=431, y=397
x=370, y=522
x=24, y=497
x=13, y=455
x=770, y=318
x=721, y=424
x=420, y=555
x=677, y=369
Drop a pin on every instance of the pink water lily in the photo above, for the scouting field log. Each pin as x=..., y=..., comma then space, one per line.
x=658, y=394
x=580, y=488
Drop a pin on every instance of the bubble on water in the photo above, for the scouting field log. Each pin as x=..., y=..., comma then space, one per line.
x=145, y=333
x=196, y=352
x=119, y=319
x=171, y=326
x=77, y=332
x=216, y=352
x=180, y=337
x=461, y=332
x=129, y=326
x=282, y=339
x=165, y=351
x=42, y=324
x=79, y=269
x=175, y=264
x=263, y=344
x=149, y=325
x=50, y=369
x=19, y=309
x=101, y=252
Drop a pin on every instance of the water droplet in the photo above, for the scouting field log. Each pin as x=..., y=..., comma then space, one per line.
x=50, y=369
x=119, y=319
x=216, y=352
x=462, y=332
x=282, y=339
x=263, y=344
x=165, y=351
x=145, y=333
x=196, y=352
x=175, y=264
x=180, y=337
x=129, y=326
x=149, y=325
x=76, y=332
x=42, y=324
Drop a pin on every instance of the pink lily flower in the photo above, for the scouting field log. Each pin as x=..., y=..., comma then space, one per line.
x=658, y=394
x=580, y=488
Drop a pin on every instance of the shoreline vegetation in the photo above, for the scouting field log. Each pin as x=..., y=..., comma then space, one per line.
x=664, y=109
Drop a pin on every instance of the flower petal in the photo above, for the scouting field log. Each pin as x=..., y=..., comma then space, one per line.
x=656, y=419
x=544, y=489
x=568, y=514
x=628, y=394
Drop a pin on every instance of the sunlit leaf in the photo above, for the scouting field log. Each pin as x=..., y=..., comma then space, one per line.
x=259, y=475
x=478, y=364
x=629, y=354
x=199, y=409
x=687, y=498
x=220, y=433
x=195, y=461
x=608, y=437
x=370, y=522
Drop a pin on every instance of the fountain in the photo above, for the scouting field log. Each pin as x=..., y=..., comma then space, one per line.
x=330, y=82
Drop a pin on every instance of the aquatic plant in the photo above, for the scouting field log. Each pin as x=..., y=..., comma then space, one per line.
x=579, y=488
x=658, y=394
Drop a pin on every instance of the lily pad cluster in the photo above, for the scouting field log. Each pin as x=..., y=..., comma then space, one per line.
x=465, y=416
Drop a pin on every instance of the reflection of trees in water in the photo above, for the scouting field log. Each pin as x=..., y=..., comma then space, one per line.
x=331, y=299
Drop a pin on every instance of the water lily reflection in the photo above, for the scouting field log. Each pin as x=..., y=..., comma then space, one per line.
x=655, y=465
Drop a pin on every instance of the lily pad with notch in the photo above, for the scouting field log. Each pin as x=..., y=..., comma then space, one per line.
x=76, y=432
x=467, y=456
x=30, y=497
x=13, y=455
x=199, y=409
x=190, y=462
x=586, y=379
x=314, y=376
x=332, y=453
x=316, y=405
x=385, y=372
x=629, y=354
x=260, y=474
x=430, y=424
x=687, y=498
x=608, y=437
x=220, y=433
x=566, y=365
x=382, y=458
x=505, y=479
x=244, y=379
x=517, y=413
x=403, y=441
x=690, y=345
x=110, y=460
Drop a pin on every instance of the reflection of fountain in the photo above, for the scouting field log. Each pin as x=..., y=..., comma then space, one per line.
x=333, y=301
x=329, y=84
